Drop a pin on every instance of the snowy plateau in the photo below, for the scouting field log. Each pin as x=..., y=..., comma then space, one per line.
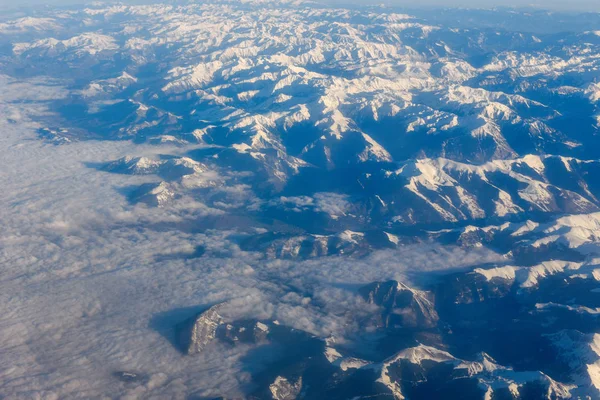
x=279, y=199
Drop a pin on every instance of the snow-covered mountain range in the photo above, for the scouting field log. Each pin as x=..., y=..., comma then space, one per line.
x=297, y=132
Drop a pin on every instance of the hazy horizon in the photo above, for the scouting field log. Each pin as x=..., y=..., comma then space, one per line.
x=576, y=5
x=573, y=6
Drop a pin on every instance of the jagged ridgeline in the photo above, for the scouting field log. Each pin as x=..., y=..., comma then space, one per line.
x=411, y=358
x=411, y=121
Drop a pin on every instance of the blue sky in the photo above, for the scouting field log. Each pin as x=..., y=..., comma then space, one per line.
x=567, y=5
x=570, y=5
